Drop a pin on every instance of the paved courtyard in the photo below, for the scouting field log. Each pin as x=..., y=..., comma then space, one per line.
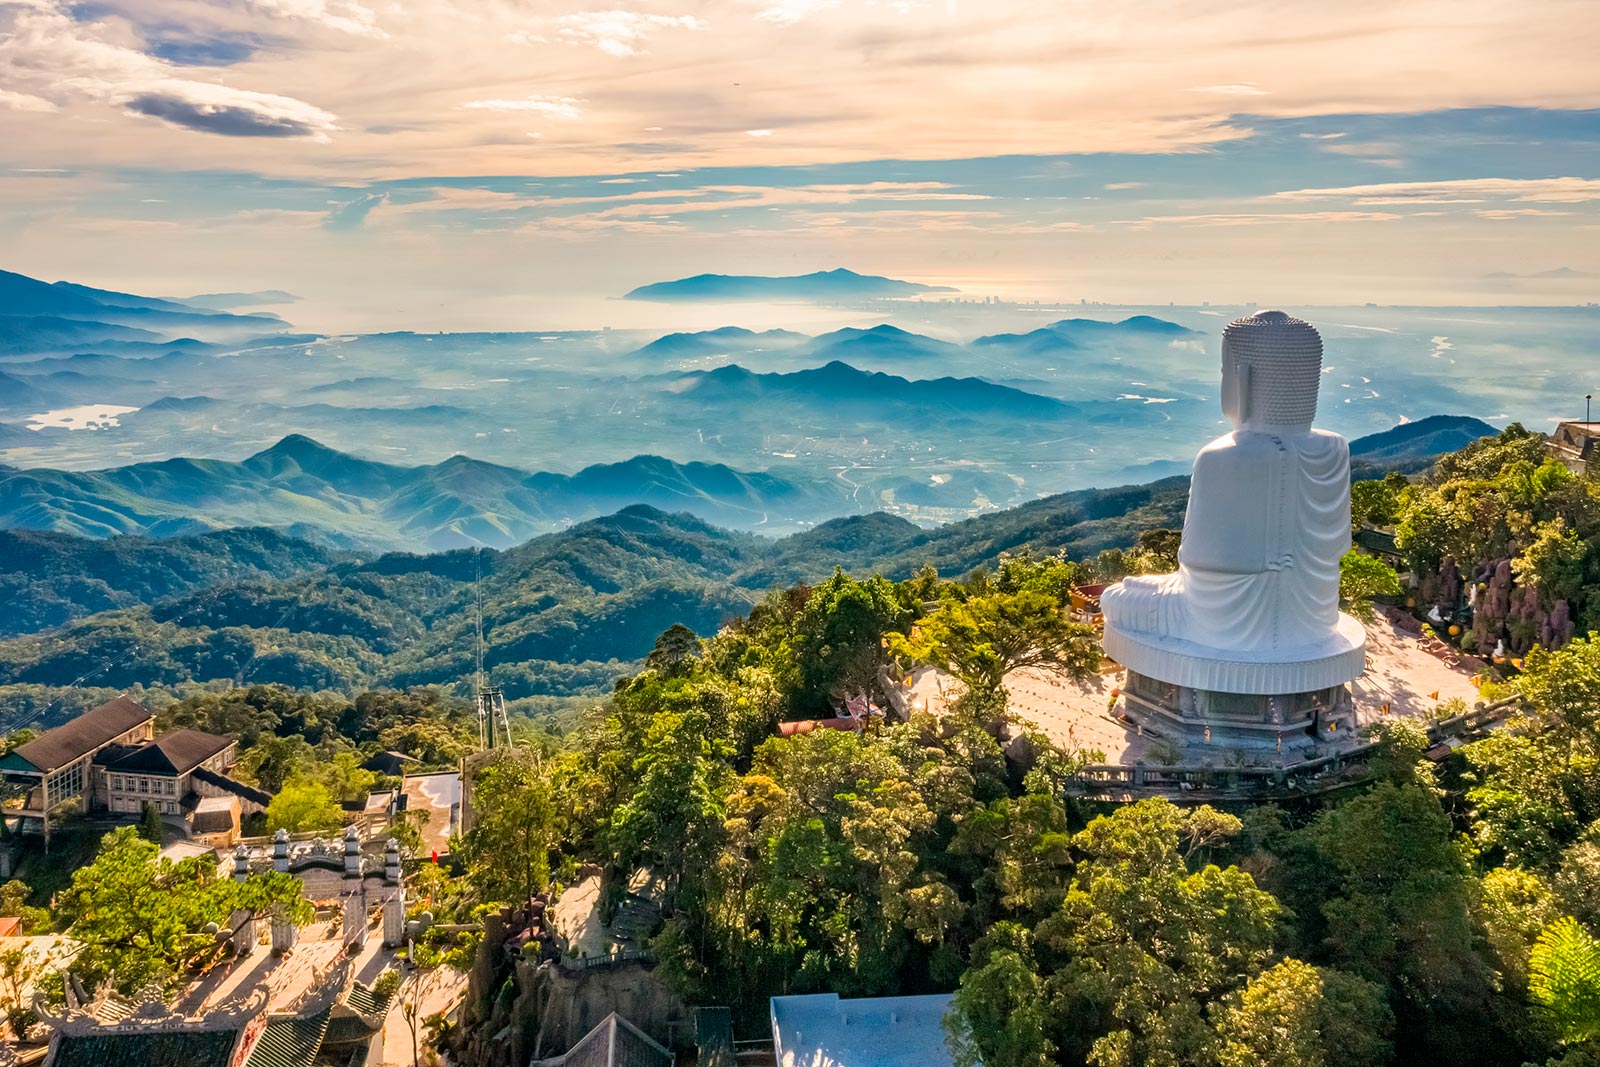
x=1401, y=674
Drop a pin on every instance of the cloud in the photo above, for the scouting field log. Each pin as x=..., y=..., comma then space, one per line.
x=1268, y=218
x=345, y=16
x=230, y=112
x=1238, y=89
x=556, y=107
x=1115, y=186
x=1542, y=190
x=1501, y=214
x=353, y=214
x=759, y=133
x=16, y=101
x=1379, y=153
x=788, y=12
x=49, y=55
x=619, y=33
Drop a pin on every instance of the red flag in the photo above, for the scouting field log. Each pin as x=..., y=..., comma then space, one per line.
x=436, y=855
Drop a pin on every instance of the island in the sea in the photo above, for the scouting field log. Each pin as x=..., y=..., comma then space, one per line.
x=839, y=284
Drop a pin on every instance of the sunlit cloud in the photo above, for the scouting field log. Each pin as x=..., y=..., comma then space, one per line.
x=1501, y=214
x=617, y=32
x=556, y=107
x=1267, y=219
x=16, y=101
x=50, y=56
x=345, y=16
x=1547, y=190
x=787, y=12
x=1239, y=89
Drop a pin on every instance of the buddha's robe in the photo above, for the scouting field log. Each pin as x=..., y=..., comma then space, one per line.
x=1258, y=569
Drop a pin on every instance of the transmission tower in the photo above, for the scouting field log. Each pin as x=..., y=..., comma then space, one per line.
x=494, y=726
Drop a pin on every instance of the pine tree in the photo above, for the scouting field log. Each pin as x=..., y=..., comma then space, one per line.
x=150, y=825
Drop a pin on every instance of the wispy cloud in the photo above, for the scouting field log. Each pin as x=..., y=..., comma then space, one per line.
x=618, y=32
x=1113, y=187
x=16, y=101
x=788, y=12
x=1237, y=89
x=1543, y=190
x=345, y=16
x=1502, y=214
x=556, y=107
x=353, y=214
x=1267, y=218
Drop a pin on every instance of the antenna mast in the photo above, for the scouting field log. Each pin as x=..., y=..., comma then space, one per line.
x=491, y=698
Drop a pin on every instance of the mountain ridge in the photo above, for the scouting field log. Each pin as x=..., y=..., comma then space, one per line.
x=835, y=284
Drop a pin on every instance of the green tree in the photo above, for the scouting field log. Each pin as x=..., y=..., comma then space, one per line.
x=675, y=650
x=1564, y=980
x=140, y=919
x=303, y=804
x=516, y=827
x=1295, y=1015
x=983, y=639
x=1361, y=578
x=17, y=969
x=1138, y=954
x=1392, y=889
x=1553, y=563
x=150, y=825
x=839, y=638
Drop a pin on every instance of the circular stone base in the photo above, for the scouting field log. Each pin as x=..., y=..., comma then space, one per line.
x=1338, y=660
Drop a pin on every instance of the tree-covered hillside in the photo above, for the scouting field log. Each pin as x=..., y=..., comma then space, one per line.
x=564, y=613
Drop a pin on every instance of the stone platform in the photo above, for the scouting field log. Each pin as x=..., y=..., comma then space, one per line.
x=1400, y=676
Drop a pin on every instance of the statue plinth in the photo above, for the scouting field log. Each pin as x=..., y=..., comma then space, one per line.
x=1337, y=660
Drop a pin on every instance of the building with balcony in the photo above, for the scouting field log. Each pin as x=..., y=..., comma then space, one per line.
x=57, y=768
x=159, y=772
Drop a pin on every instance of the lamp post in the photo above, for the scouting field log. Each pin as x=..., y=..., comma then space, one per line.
x=1586, y=398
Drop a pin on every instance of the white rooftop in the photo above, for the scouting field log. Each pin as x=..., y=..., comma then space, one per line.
x=820, y=1030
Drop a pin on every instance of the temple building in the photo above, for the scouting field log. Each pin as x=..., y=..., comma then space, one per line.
x=1244, y=646
x=1573, y=444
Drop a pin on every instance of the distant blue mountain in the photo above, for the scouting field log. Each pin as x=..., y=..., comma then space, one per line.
x=725, y=340
x=41, y=317
x=1413, y=446
x=884, y=342
x=824, y=285
x=231, y=301
x=300, y=483
x=1080, y=333
x=839, y=388
x=27, y=334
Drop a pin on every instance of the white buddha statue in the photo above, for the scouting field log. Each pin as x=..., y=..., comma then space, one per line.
x=1269, y=517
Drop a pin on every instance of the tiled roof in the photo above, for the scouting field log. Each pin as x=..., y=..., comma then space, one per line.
x=214, y=815
x=366, y=1000
x=56, y=748
x=178, y=752
x=212, y=1048
x=290, y=1042
x=614, y=1043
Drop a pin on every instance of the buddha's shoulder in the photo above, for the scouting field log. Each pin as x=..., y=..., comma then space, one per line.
x=1245, y=446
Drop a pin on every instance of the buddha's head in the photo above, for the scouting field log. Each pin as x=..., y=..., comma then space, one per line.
x=1271, y=368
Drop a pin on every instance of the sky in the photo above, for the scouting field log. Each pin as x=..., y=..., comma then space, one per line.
x=507, y=164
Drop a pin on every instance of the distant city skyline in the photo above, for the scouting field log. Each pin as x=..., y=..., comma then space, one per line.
x=446, y=165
